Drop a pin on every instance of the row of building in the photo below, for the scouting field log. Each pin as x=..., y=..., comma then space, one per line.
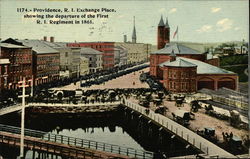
x=43, y=61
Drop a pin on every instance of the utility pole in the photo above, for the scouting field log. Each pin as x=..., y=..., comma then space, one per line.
x=22, y=119
x=32, y=86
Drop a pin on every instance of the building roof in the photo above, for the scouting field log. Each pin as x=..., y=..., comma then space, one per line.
x=39, y=46
x=13, y=46
x=177, y=48
x=4, y=61
x=166, y=25
x=53, y=44
x=161, y=23
x=178, y=63
x=202, y=67
x=89, y=51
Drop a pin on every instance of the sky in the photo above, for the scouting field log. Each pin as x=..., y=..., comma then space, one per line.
x=197, y=21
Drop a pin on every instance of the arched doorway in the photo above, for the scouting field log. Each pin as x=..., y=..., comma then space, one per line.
x=226, y=82
x=205, y=82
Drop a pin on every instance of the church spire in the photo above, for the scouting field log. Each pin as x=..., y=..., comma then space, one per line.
x=161, y=23
x=134, y=33
x=166, y=25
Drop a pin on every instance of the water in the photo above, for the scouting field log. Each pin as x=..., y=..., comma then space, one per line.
x=112, y=128
x=98, y=128
x=118, y=137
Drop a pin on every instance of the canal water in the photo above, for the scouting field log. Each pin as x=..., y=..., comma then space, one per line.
x=109, y=128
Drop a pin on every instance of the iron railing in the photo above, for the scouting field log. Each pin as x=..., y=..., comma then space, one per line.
x=116, y=149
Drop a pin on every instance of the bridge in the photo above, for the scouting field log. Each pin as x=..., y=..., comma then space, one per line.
x=208, y=148
x=68, y=146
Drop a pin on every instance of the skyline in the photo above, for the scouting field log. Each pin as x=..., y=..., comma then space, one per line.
x=205, y=21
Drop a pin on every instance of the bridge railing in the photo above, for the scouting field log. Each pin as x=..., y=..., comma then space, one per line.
x=73, y=105
x=58, y=149
x=174, y=127
x=81, y=142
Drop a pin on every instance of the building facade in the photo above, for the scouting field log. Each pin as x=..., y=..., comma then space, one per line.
x=94, y=58
x=84, y=66
x=107, y=49
x=47, y=61
x=136, y=52
x=21, y=62
x=4, y=72
x=121, y=56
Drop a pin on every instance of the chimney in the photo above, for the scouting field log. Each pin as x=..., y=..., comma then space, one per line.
x=125, y=38
x=45, y=38
x=52, y=39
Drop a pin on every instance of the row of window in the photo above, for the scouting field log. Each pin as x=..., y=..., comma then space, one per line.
x=182, y=85
x=182, y=74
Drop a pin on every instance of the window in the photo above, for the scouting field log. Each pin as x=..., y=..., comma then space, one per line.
x=66, y=54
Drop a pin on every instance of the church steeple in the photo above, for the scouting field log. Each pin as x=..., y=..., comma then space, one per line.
x=161, y=34
x=161, y=23
x=166, y=25
x=134, y=33
x=167, y=32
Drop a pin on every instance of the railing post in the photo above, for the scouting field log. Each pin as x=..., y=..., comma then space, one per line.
x=61, y=139
x=55, y=138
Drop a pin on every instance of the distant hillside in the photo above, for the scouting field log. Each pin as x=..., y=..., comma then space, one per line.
x=201, y=46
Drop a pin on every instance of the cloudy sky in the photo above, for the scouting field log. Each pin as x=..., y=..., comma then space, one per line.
x=197, y=21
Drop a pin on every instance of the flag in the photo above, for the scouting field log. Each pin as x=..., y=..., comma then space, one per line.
x=176, y=32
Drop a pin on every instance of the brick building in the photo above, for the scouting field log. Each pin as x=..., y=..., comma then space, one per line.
x=4, y=71
x=182, y=69
x=21, y=62
x=47, y=61
x=107, y=49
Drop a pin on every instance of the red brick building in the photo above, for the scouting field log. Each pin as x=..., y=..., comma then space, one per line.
x=183, y=69
x=20, y=58
x=163, y=34
x=4, y=72
x=107, y=48
x=47, y=61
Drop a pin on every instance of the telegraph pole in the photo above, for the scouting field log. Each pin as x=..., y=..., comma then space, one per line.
x=22, y=120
